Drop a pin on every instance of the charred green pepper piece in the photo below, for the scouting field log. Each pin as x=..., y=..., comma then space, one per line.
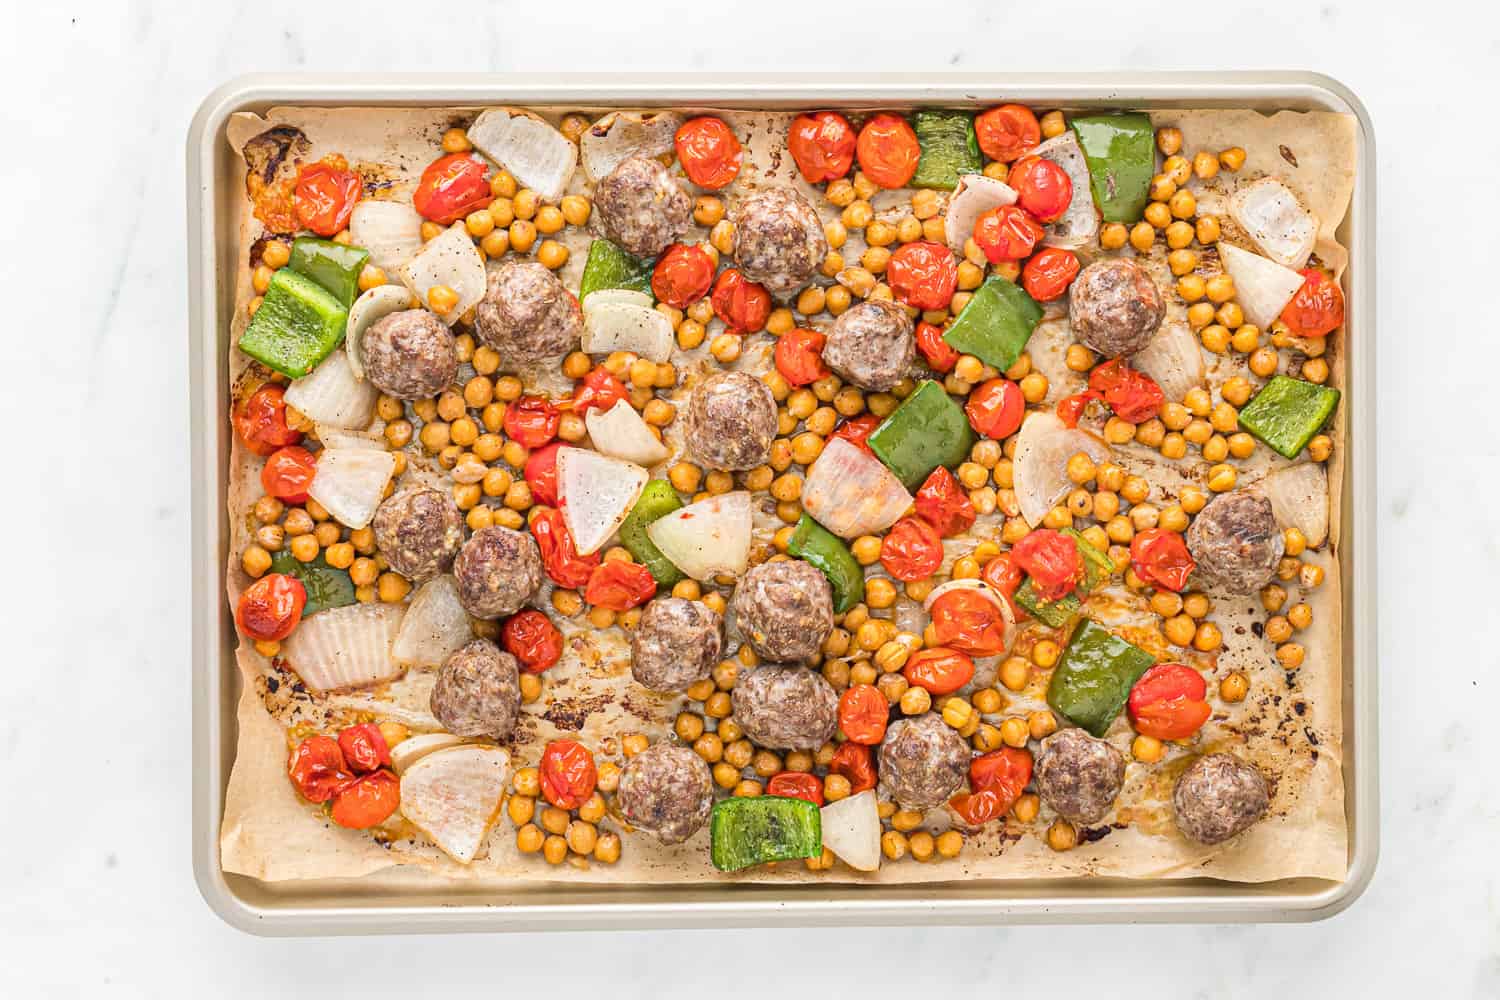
x=609, y=266
x=1121, y=154
x=1287, y=412
x=1094, y=677
x=1097, y=566
x=334, y=266
x=949, y=148
x=326, y=586
x=996, y=323
x=816, y=545
x=298, y=324
x=927, y=430
x=745, y=832
x=657, y=500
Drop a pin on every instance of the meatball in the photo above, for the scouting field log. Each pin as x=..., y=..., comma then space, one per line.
x=778, y=239
x=784, y=609
x=1236, y=542
x=526, y=314
x=666, y=790
x=872, y=345
x=409, y=354
x=418, y=530
x=641, y=207
x=1078, y=776
x=731, y=421
x=497, y=571
x=478, y=691
x=786, y=708
x=676, y=643
x=923, y=761
x=1217, y=797
x=1114, y=307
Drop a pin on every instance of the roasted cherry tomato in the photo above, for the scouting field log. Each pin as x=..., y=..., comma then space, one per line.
x=938, y=670
x=1048, y=273
x=1052, y=561
x=288, y=473
x=1070, y=408
x=742, y=304
x=799, y=356
x=600, y=389
x=567, y=774
x=855, y=762
x=367, y=802
x=260, y=421
x=863, y=712
x=797, y=785
x=857, y=430
x=532, y=420
x=1161, y=557
x=888, y=150
x=619, y=585
x=1004, y=577
x=683, y=275
x=942, y=503
x=996, y=780
x=822, y=144
x=271, y=607
x=560, y=556
x=451, y=187
x=1318, y=307
x=1006, y=233
x=1168, y=702
x=969, y=622
x=364, y=747
x=532, y=639
x=911, y=550
x=1007, y=132
x=708, y=151
x=996, y=408
x=923, y=274
x=1133, y=396
x=540, y=473
x=937, y=352
x=325, y=196
x=318, y=769
x=1041, y=186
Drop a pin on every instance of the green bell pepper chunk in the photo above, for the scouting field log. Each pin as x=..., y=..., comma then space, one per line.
x=1053, y=614
x=816, y=545
x=657, y=500
x=298, y=324
x=1287, y=412
x=1120, y=150
x=927, y=430
x=1094, y=677
x=608, y=266
x=949, y=148
x=326, y=586
x=1097, y=566
x=745, y=832
x=996, y=323
x=332, y=265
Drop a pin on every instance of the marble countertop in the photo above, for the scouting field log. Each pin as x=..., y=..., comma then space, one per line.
x=94, y=727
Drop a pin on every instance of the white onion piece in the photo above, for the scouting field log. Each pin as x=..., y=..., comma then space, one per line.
x=596, y=494
x=974, y=195
x=1040, y=466
x=707, y=538
x=1172, y=358
x=390, y=230
x=1262, y=287
x=538, y=155
x=851, y=493
x=1079, y=224
x=414, y=748
x=435, y=625
x=331, y=394
x=350, y=483
x=345, y=647
x=621, y=433
x=623, y=326
x=851, y=830
x=1299, y=499
x=453, y=796
x=1272, y=216
x=338, y=437
x=372, y=306
x=624, y=296
x=451, y=259
x=620, y=135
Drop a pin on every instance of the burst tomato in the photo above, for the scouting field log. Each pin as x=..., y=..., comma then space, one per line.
x=599, y=389
x=1048, y=273
x=318, y=769
x=863, y=712
x=540, y=473
x=857, y=430
x=1007, y=132
x=936, y=351
x=1133, y=396
x=1071, y=408
x=911, y=550
x=1041, y=186
x=260, y=421
x=271, y=607
x=938, y=670
x=942, y=503
x=1052, y=561
x=288, y=473
x=822, y=144
x=619, y=585
x=742, y=304
x=364, y=747
x=708, y=151
x=368, y=802
x=451, y=187
x=969, y=622
x=532, y=420
x=1161, y=557
x=797, y=785
x=1004, y=576
x=1318, y=307
x=888, y=150
x=567, y=773
x=682, y=276
x=1006, y=233
x=560, y=557
x=1168, y=702
x=996, y=780
x=855, y=762
x=799, y=356
x=923, y=274
x=532, y=639
x=996, y=408
x=325, y=196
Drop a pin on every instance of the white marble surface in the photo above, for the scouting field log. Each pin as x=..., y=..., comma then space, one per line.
x=94, y=724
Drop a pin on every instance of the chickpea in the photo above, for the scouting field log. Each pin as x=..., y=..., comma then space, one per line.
x=1061, y=836
x=1143, y=234
x=1146, y=749
x=1158, y=215
x=1234, y=687
x=1169, y=140
x=1291, y=655
x=1232, y=158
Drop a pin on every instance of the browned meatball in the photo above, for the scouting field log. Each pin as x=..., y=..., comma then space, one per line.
x=1217, y=797
x=923, y=761
x=526, y=314
x=1114, y=307
x=731, y=421
x=418, y=530
x=872, y=345
x=497, y=571
x=409, y=354
x=666, y=790
x=675, y=644
x=1236, y=542
x=778, y=239
x=1078, y=776
x=786, y=708
x=784, y=610
x=478, y=691
x=641, y=207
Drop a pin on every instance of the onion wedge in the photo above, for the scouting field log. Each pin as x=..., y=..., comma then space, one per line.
x=451, y=259
x=331, y=394
x=372, y=306
x=390, y=230
x=1172, y=358
x=625, y=326
x=628, y=296
x=1040, y=466
x=435, y=625
x=1079, y=224
x=1299, y=499
x=1275, y=220
x=621, y=433
x=1261, y=286
x=453, y=796
x=538, y=155
x=851, y=492
x=345, y=647
x=974, y=195
x=707, y=538
x=851, y=830
x=596, y=494
x=620, y=135
x=338, y=437
x=414, y=748
x=350, y=483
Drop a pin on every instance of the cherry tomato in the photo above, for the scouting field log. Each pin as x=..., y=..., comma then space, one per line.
x=288, y=473
x=939, y=355
x=567, y=773
x=911, y=550
x=560, y=557
x=1007, y=132
x=451, y=187
x=364, y=747
x=996, y=780
x=317, y=768
x=532, y=420
x=942, y=503
x=1318, y=307
x=797, y=785
x=325, y=196
x=857, y=430
x=1048, y=273
x=996, y=408
x=1004, y=576
x=923, y=274
x=708, y=151
x=855, y=762
x=822, y=145
x=938, y=670
x=368, y=802
x=1052, y=561
x=600, y=389
x=1006, y=233
x=799, y=356
x=742, y=304
x=683, y=275
x=1071, y=408
x=1132, y=395
x=260, y=421
x=271, y=607
x=540, y=473
x=619, y=585
x=888, y=150
x=1168, y=702
x=1161, y=557
x=1042, y=187
x=532, y=639
x=969, y=622
x=863, y=712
